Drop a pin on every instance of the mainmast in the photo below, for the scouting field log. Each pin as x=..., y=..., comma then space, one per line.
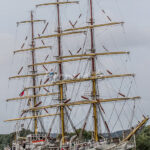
x=60, y=74
x=33, y=72
x=94, y=92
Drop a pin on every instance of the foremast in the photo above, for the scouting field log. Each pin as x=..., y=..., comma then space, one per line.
x=94, y=92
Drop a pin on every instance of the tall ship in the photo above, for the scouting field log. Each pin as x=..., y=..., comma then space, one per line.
x=74, y=89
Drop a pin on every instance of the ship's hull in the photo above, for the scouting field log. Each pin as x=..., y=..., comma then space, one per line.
x=72, y=146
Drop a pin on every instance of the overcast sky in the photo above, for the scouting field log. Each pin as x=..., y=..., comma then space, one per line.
x=136, y=14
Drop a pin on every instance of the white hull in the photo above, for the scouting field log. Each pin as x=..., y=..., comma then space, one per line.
x=79, y=146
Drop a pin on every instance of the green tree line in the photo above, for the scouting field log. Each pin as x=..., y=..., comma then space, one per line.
x=142, y=139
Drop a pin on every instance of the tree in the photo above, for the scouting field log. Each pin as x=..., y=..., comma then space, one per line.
x=143, y=139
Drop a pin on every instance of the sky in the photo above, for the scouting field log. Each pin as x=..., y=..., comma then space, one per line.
x=135, y=13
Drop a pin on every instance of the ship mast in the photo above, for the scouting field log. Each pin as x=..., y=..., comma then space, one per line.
x=60, y=73
x=95, y=101
x=94, y=92
x=33, y=76
x=33, y=72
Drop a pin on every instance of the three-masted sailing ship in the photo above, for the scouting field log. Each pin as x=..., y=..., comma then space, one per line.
x=74, y=88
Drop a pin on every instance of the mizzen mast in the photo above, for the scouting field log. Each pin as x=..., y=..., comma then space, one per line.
x=34, y=96
x=33, y=72
x=60, y=73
